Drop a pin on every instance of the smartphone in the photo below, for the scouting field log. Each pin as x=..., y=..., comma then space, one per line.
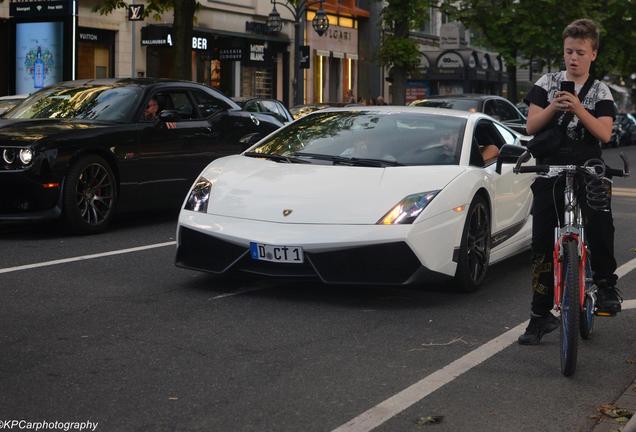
x=568, y=86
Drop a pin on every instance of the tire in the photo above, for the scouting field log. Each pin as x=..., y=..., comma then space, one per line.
x=474, y=251
x=587, y=314
x=89, y=196
x=570, y=308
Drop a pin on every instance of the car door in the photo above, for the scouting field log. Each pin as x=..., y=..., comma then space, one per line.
x=509, y=115
x=170, y=153
x=512, y=195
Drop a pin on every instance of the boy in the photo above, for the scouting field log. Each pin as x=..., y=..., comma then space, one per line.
x=591, y=123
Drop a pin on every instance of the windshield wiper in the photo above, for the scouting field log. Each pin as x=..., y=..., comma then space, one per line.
x=276, y=157
x=353, y=161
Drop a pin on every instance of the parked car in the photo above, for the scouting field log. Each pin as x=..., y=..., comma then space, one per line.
x=389, y=195
x=83, y=150
x=627, y=122
x=8, y=102
x=497, y=107
x=266, y=106
x=302, y=110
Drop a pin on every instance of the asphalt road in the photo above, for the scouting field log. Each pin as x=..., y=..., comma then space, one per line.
x=136, y=344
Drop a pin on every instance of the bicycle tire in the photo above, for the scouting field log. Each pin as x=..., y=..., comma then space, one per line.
x=587, y=314
x=570, y=307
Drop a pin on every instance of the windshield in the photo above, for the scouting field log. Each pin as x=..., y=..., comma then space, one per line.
x=363, y=136
x=457, y=104
x=97, y=102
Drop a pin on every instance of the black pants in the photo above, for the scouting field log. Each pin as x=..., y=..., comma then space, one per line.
x=599, y=233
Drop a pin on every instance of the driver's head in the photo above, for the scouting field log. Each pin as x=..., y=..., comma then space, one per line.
x=151, y=109
x=449, y=141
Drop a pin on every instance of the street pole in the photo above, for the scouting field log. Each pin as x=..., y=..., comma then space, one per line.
x=299, y=97
x=133, y=73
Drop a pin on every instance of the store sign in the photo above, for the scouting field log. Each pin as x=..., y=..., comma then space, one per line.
x=303, y=52
x=450, y=60
x=452, y=36
x=151, y=36
x=233, y=54
x=484, y=62
x=257, y=53
x=40, y=8
x=257, y=27
x=95, y=35
x=339, y=33
x=135, y=13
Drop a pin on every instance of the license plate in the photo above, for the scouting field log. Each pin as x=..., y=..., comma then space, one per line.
x=282, y=254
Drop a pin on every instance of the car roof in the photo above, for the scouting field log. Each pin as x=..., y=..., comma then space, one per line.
x=14, y=97
x=473, y=96
x=405, y=109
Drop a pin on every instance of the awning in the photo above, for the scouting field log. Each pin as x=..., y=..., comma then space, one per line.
x=337, y=54
x=322, y=53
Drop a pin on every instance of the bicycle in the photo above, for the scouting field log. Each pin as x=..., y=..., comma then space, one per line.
x=574, y=289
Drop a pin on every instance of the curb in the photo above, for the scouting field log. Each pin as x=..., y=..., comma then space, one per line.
x=626, y=401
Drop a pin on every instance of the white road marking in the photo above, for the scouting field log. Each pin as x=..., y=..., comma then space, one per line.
x=85, y=257
x=397, y=403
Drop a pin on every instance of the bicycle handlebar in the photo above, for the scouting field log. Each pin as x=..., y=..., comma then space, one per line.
x=544, y=169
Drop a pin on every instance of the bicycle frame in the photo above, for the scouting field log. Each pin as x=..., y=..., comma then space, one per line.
x=572, y=229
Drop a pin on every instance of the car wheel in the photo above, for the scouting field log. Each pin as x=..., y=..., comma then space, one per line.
x=89, y=195
x=474, y=251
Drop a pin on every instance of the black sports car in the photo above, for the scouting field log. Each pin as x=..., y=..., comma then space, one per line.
x=83, y=150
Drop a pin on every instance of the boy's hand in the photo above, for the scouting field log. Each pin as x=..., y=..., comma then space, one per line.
x=566, y=101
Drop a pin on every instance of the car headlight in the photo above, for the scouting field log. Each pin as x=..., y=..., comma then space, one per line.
x=26, y=156
x=8, y=156
x=407, y=210
x=199, y=196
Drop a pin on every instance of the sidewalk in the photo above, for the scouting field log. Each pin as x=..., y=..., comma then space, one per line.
x=627, y=401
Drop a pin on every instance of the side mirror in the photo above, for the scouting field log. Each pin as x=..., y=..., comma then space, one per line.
x=508, y=154
x=169, y=116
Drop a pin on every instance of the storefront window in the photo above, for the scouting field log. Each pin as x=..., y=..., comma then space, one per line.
x=256, y=82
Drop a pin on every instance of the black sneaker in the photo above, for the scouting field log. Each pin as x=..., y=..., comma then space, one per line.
x=608, y=301
x=539, y=326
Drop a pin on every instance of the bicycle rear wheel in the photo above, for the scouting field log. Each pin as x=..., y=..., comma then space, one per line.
x=570, y=307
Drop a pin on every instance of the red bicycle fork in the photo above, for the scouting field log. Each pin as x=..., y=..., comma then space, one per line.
x=557, y=259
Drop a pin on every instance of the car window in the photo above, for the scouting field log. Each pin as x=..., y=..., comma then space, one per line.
x=404, y=138
x=88, y=102
x=272, y=107
x=251, y=106
x=485, y=137
x=208, y=104
x=173, y=100
x=507, y=136
x=180, y=102
x=505, y=111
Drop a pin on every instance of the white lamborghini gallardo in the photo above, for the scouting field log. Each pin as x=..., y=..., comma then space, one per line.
x=364, y=195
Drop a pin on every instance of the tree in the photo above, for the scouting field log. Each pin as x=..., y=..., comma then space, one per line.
x=533, y=29
x=397, y=51
x=182, y=26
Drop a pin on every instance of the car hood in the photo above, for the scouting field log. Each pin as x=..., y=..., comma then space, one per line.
x=264, y=190
x=30, y=131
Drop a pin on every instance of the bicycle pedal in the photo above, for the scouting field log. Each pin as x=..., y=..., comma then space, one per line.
x=604, y=314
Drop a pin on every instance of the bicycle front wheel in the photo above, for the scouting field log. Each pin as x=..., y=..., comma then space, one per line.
x=570, y=307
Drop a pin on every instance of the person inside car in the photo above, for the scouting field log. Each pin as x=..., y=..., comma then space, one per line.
x=151, y=113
